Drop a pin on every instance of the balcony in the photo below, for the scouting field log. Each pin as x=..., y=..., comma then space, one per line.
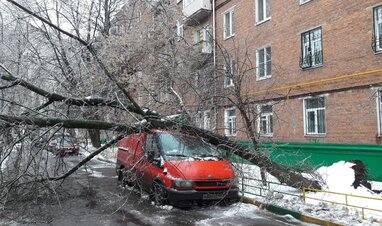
x=196, y=11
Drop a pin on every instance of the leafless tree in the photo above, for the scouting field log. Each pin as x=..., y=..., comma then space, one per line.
x=87, y=69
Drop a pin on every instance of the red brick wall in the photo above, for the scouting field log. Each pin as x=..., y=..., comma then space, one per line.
x=347, y=30
x=351, y=117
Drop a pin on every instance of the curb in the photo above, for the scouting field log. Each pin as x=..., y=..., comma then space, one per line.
x=282, y=211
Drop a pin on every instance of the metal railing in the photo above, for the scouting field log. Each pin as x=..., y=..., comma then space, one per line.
x=346, y=196
x=263, y=188
x=258, y=185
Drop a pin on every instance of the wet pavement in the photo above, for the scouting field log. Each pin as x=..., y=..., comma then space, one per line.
x=115, y=205
x=95, y=199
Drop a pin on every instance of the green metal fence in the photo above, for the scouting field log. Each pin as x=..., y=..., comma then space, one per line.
x=302, y=156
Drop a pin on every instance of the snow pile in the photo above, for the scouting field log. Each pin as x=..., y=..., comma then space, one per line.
x=339, y=178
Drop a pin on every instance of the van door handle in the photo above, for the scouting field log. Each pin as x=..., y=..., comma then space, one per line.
x=124, y=149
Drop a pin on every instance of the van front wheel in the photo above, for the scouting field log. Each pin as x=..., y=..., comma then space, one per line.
x=159, y=194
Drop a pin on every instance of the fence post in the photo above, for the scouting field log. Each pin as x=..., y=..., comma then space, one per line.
x=303, y=194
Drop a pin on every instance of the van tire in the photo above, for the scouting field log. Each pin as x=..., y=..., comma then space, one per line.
x=159, y=194
x=120, y=175
x=127, y=177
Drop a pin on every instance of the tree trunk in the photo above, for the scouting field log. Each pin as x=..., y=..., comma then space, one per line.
x=95, y=137
x=286, y=176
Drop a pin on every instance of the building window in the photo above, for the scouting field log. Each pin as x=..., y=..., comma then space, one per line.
x=304, y=1
x=230, y=122
x=229, y=28
x=263, y=10
x=203, y=40
x=207, y=120
x=265, y=120
x=229, y=73
x=180, y=29
x=187, y=2
x=198, y=120
x=264, y=63
x=378, y=28
x=311, y=47
x=314, y=109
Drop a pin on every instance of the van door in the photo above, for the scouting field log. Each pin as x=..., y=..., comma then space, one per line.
x=146, y=170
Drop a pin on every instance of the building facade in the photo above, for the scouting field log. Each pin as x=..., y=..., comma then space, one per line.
x=306, y=70
x=315, y=67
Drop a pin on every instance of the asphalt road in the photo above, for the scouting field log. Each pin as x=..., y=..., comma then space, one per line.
x=92, y=197
x=106, y=203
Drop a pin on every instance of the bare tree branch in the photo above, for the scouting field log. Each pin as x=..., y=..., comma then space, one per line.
x=68, y=123
x=87, y=159
x=54, y=97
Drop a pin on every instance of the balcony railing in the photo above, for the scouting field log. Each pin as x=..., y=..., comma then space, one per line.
x=196, y=11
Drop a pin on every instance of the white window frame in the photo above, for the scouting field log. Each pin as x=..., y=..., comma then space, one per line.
x=230, y=120
x=202, y=38
x=379, y=111
x=265, y=63
x=198, y=120
x=228, y=33
x=267, y=116
x=315, y=110
x=180, y=29
x=187, y=3
x=266, y=3
x=229, y=73
x=311, y=48
x=304, y=1
x=207, y=120
x=377, y=20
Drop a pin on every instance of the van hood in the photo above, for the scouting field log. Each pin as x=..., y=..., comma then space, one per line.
x=203, y=170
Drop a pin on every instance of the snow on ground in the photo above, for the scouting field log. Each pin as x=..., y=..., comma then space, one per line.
x=337, y=178
x=220, y=214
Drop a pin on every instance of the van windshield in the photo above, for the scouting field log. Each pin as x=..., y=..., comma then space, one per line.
x=181, y=146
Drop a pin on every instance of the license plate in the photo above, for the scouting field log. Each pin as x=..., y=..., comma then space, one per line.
x=213, y=196
x=67, y=151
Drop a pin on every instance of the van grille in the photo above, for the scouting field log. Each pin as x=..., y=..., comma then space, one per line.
x=211, y=183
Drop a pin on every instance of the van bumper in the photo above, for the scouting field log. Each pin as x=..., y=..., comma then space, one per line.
x=186, y=198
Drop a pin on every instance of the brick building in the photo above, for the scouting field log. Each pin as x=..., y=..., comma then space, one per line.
x=309, y=70
x=316, y=67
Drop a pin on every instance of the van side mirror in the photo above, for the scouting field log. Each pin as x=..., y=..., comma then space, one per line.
x=150, y=156
x=156, y=160
x=225, y=151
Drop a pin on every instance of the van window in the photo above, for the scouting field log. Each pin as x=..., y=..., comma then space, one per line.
x=175, y=145
x=152, y=145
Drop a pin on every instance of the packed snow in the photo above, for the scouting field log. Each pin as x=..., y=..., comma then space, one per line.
x=336, y=178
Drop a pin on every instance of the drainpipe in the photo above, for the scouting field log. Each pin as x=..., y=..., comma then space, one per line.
x=214, y=61
x=214, y=30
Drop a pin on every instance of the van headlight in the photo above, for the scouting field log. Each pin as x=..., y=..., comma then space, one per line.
x=183, y=184
x=234, y=182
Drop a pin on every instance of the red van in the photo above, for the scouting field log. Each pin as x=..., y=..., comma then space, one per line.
x=176, y=169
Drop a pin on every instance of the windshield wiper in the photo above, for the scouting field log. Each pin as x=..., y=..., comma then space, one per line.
x=178, y=155
x=209, y=155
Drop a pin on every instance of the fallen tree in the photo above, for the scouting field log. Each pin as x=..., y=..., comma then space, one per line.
x=152, y=120
x=286, y=176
